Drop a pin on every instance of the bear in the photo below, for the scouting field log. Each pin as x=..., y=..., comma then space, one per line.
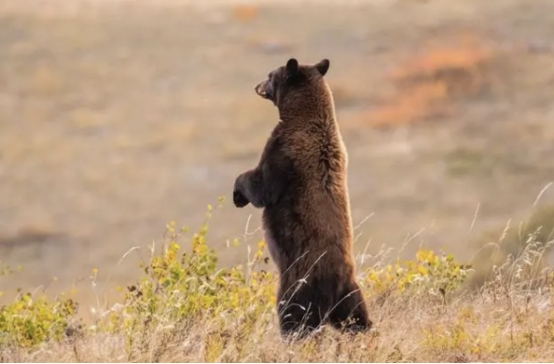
x=300, y=183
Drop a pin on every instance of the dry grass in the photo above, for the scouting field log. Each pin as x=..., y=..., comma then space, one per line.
x=422, y=311
x=521, y=330
x=505, y=321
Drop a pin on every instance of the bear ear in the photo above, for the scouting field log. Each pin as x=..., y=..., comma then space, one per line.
x=322, y=66
x=292, y=66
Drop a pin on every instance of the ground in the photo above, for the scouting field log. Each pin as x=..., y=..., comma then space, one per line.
x=117, y=117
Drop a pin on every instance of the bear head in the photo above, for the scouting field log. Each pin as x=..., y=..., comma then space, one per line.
x=290, y=82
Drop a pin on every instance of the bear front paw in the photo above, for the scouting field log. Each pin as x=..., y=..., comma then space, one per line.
x=239, y=199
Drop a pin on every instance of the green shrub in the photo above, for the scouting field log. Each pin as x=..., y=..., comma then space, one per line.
x=180, y=288
x=428, y=273
x=29, y=321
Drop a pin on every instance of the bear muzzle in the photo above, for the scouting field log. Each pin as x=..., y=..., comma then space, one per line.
x=262, y=89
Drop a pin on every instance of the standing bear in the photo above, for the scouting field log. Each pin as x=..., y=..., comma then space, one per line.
x=301, y=184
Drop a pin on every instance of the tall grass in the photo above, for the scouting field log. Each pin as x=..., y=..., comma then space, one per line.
x=186, y=308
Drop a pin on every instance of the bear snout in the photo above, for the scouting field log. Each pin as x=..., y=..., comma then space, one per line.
x=262, y=89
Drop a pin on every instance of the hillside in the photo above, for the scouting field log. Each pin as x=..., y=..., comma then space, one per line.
x=117, y=117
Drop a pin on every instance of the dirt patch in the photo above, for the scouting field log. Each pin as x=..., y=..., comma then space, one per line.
x=435, y=82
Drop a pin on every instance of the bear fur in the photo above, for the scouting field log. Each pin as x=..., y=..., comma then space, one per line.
x=301, y=184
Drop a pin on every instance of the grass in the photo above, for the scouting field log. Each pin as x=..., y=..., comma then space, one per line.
x=507, y=244
x=131, y=129
x=186, y=308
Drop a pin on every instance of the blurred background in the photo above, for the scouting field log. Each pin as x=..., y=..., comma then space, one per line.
x=117, y=117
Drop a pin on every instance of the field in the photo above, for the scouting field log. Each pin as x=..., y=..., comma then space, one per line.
x=118, y=117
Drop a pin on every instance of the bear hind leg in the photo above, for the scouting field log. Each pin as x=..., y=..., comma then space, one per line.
x=299, y=316
x=350, y=313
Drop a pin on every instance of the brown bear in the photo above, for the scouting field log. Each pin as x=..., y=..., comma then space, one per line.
x=301, y=184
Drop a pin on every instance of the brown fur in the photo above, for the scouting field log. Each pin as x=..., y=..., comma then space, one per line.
x=301, y=183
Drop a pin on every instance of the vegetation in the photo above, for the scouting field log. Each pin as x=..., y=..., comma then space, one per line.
x=506, y=246
x=186, y=308
x=465, y=89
